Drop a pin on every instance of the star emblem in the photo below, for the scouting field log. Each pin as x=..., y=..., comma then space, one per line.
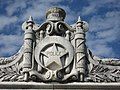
x=54, y=57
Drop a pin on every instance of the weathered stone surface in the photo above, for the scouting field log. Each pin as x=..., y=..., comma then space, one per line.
x=55, y=52
x=53, y=86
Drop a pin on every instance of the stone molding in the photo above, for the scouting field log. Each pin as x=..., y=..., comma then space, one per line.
x=53, y=86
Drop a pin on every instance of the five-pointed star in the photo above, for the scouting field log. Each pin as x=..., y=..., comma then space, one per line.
x=55, y=58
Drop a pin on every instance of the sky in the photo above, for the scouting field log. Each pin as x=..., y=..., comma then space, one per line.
x=103, y=16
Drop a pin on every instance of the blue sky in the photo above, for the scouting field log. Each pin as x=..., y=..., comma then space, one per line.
x=103, y=16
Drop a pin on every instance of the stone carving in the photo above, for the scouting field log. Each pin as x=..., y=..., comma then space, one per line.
x=56, y=51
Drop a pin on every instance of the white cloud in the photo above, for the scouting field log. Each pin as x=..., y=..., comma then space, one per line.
x=70, y=14
x=9, y=44
x=109, y=21
x=35, y=8
x=15, y=6
x=5, y=20
x=38, y=10
x=94, y=5
x=102, y=50
x=106, y=30
x=89, y=9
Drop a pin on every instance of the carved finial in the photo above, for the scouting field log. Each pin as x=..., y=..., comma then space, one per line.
x=79, y=19
x=55, y=14
x=30, y=19
x=83, y=24
x=28, y=23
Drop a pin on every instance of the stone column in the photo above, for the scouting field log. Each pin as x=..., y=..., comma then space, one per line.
x=80, y=49
x=28, y=48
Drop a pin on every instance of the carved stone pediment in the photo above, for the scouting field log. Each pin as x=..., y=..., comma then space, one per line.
x=56, y=51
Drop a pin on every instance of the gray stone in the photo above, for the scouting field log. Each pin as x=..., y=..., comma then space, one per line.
x=53, y=86
x=55, y=52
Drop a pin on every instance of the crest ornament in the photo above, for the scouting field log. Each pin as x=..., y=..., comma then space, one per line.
x=56, y=51
x=52, y=51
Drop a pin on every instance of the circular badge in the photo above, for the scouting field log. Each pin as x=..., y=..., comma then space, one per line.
x=54, y=53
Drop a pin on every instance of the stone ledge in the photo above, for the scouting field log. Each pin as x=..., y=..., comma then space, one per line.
x=49, y=86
